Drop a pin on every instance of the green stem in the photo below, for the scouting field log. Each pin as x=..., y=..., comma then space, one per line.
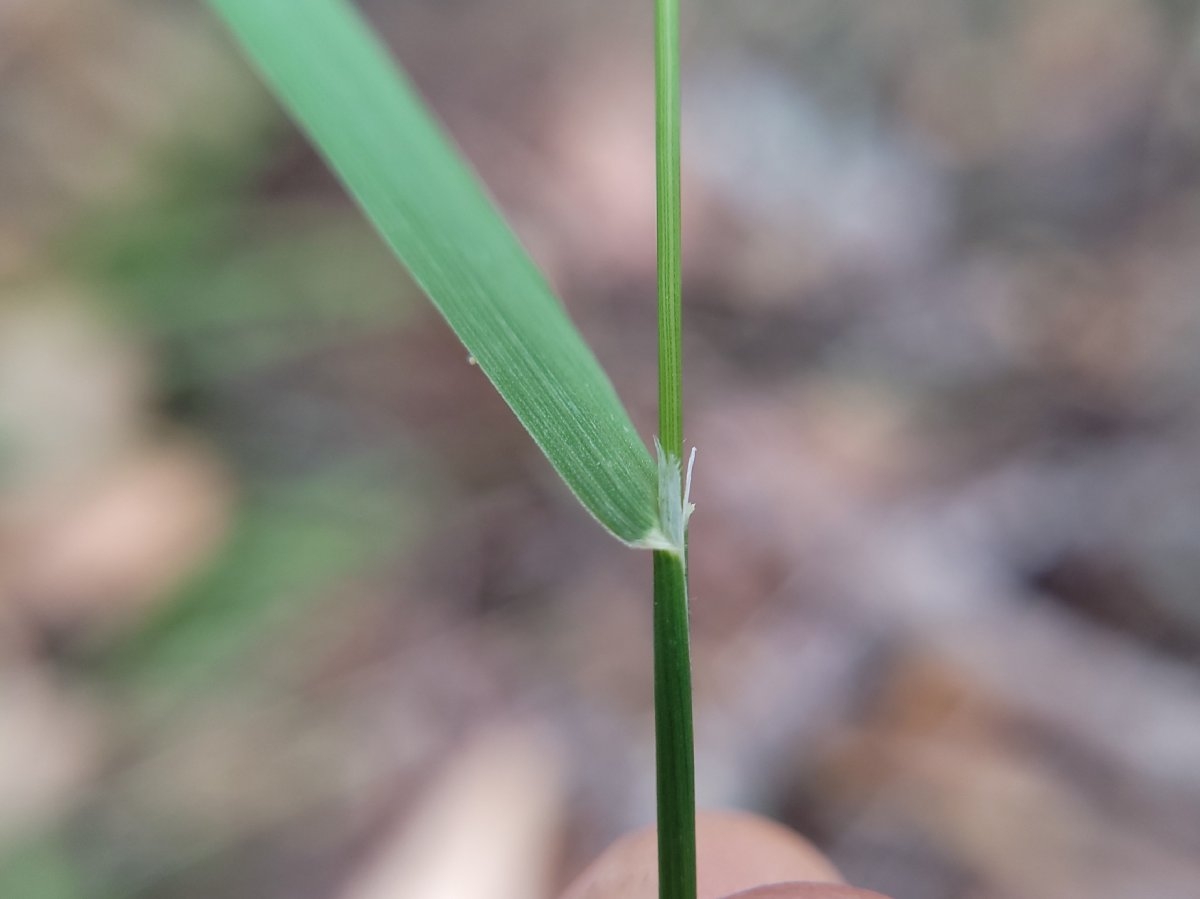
x=673, y=731
x=670, y=363
x=672, y=662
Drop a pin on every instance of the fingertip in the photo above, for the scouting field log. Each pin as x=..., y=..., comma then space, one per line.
x=735, y=851
x=806, y=891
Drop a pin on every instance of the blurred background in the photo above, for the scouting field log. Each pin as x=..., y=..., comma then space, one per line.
x=291, y=607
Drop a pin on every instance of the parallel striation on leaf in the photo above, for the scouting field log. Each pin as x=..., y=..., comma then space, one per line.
x=338, y=82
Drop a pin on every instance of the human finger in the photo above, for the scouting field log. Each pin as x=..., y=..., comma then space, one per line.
x=735, y=852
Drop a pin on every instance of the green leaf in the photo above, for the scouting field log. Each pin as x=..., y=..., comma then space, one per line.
x=337, y=81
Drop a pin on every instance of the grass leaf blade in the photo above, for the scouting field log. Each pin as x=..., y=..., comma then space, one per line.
x=338, y=82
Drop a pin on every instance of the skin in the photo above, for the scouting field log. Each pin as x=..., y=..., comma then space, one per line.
x=738, y=855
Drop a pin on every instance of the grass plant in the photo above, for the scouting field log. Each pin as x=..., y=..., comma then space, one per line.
x=674, y=752
x=336, y=80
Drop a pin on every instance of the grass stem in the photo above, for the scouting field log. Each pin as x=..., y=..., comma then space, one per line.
x=670, y=363
x=674, y=750
x=673, y=730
